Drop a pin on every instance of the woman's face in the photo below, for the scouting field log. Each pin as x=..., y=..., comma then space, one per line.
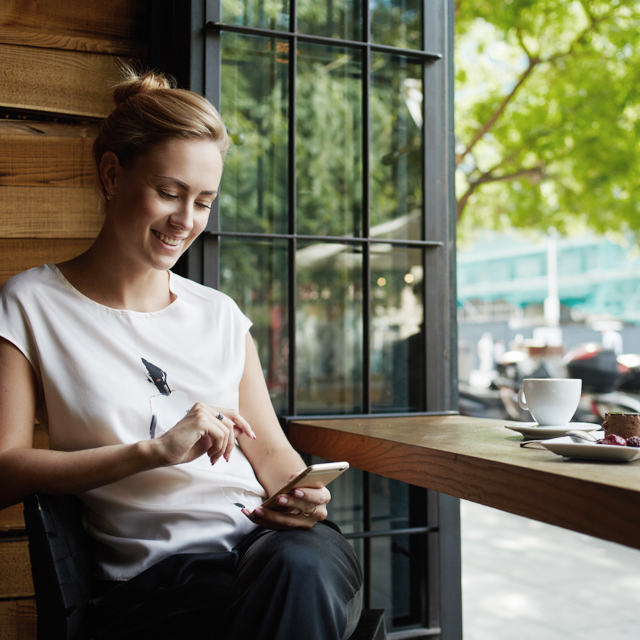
x=160, y=204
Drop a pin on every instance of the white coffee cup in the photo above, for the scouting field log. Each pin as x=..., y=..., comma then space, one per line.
x=551, y=401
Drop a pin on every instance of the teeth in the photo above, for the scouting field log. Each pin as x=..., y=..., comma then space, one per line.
x=167, y=240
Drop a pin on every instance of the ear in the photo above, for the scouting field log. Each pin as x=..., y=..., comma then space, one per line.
x=109, y=170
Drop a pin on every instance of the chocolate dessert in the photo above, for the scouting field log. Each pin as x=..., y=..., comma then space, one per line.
x=622, y=424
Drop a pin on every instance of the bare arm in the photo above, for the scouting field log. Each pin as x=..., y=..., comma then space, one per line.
x=271, y=455
x=25, y=470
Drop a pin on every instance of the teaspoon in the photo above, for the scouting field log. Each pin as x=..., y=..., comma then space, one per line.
x=581, y=436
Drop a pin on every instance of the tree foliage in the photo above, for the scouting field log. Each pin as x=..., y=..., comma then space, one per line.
x=548, y=114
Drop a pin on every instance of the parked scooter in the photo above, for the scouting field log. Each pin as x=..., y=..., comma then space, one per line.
x=606, y=381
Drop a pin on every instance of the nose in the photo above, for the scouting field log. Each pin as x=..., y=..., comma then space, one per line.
x=182, y=217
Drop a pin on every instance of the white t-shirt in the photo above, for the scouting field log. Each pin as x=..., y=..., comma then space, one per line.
x=109, y=376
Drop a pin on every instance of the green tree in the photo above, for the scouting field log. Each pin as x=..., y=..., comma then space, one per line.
x=548, y=113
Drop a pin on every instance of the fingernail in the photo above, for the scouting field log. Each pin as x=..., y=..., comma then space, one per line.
x=282, y=500
x=298, y=494
x=246, y=512
x=258, y=512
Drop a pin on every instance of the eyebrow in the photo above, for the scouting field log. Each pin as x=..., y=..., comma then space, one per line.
x=185, y=186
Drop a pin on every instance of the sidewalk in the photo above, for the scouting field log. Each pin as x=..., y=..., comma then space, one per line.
x=522, y=580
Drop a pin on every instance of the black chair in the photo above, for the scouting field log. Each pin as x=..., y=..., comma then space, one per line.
x=61, y=556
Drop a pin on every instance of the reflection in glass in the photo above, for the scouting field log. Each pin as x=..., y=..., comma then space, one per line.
x=397, y=23
x=396, y=147
x=265, y=14
x=329, y=328
x=332, y=19
x=329, y=141
x=255, y=107
x=397, y=329
x=254, y=274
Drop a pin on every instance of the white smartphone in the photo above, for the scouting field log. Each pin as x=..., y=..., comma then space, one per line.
x=316, y=476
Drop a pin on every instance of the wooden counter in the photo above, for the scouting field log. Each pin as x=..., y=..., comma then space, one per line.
x=482, y=461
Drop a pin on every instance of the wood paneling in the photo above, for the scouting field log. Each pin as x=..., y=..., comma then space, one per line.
x=18, y=620
x=61, y=82
x=15, y=570
x=116, y=27
x=49, y=212
x=39, y=154
x=11, y=519
x=19, y=255
x=47, y=181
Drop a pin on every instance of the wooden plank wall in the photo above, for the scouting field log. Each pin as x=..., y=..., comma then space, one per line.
x=57, y=62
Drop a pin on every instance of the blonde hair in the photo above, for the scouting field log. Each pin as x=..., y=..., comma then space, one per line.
x=149, y=110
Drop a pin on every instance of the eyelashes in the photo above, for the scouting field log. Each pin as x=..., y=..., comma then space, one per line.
x=170, y=196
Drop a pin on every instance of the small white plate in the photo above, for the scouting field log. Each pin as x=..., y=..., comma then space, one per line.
x=590, y=450
x=532, y=431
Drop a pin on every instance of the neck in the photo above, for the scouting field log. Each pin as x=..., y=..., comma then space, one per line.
x=117, y=284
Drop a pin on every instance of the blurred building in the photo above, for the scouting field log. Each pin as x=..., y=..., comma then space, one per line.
x=508, y=277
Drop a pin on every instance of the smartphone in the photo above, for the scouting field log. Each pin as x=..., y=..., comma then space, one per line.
x=316, y=476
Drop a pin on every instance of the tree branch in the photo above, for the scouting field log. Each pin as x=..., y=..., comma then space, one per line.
x=536, y=172
x=533, y=62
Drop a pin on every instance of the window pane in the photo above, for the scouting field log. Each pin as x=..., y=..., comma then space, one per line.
x=396, y=147
x=331, y=19
x=254, y=274
x=397, y=23
x=345, y=508
x=329, y=328
x=255, y=107
x=266, y=14
x=397, y=331
x=329, y=141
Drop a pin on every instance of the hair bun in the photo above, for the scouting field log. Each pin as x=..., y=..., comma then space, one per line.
x=134, y=83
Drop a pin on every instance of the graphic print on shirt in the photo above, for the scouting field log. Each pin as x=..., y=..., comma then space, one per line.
x=168, y=406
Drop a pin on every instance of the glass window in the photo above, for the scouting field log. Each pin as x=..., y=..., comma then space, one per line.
x=397, y=23
x=264, y=14
x=329, y=141
x=329, y=328
x=255, y=183
x=331, y=18
x=397, y=317
x=396, y=147
x=254, y=274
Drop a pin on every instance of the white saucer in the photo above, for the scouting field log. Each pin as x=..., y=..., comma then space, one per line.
x=532, y=431
x=590, y=450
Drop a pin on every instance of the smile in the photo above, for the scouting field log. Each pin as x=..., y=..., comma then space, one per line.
x=173, y=242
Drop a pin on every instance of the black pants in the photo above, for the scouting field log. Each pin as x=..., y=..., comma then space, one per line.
x=275, y=585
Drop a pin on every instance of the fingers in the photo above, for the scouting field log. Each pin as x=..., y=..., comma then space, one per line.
x=279, y=521
x=222, y=426
x=232, y=418
x=300, y=510
x=204, y=429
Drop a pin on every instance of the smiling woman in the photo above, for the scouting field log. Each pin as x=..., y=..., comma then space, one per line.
x=158, y=414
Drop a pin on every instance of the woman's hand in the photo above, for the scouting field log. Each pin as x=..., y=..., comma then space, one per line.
x=205, y=429
x=298, y=510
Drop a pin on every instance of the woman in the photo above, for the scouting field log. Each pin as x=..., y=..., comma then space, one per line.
x=157, y=411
